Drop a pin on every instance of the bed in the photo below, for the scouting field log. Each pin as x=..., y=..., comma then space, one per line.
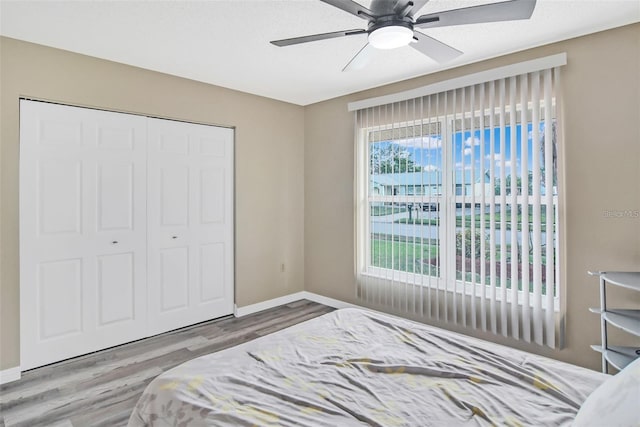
x=354, y=367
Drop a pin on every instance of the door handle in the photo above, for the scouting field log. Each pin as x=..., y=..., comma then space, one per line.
x=115, y=242
x=174, y=237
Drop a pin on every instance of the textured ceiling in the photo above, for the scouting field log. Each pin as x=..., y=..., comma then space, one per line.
x=226, y=43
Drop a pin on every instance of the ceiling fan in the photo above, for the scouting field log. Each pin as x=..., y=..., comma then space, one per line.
x=392, y=25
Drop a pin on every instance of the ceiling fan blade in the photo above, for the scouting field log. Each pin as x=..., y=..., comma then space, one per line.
x=494, y=12
x=351, y=7
x=314, y=37
x=361, y=58
x=434, y=49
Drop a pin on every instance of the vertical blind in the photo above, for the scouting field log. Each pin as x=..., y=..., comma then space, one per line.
x=457, y=206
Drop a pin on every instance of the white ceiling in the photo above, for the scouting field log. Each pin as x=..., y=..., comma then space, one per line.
x=226, y=42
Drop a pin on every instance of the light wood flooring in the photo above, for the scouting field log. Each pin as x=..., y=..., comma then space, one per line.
x=102, y=388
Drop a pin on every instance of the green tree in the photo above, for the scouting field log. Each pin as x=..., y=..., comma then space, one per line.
x=518, y=185
x=477, y=242
x=392, y=158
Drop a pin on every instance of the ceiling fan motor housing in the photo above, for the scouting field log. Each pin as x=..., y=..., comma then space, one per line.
x=390, y=21
x=390, y=32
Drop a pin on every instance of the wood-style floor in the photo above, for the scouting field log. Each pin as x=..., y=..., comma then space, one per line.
x=102, y=388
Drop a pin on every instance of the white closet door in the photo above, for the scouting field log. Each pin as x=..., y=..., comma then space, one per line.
x=82, y=231
x=190, y=223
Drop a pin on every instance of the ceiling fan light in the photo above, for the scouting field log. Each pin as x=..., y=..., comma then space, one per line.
x=390, y=37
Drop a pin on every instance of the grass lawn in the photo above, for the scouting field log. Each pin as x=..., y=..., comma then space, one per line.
x=498, y=219
x=403, y=256
x=426, y=221
x=467, y=221
x=385, y=210
x=411, y=256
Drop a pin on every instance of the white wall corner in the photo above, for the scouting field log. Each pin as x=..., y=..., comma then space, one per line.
x=9, y=375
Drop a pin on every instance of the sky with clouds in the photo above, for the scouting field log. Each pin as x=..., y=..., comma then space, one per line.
x=473, y=149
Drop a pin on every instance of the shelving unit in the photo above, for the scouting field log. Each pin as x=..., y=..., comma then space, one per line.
x=626, y=319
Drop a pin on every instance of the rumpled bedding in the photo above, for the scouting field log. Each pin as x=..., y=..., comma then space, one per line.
x=356, y=368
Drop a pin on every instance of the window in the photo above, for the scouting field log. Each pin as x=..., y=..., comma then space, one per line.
x=457, y=212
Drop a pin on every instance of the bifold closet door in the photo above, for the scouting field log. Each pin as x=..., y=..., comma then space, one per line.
x=82, y=231
x=190, y=223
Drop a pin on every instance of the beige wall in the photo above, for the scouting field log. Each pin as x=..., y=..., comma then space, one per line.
x=308, y=223
x=269, y=162
x=601, y=85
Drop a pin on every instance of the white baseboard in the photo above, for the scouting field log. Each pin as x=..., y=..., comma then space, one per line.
x=331, y=302
x=286, y=299
x=9, y=375
x=265, y=305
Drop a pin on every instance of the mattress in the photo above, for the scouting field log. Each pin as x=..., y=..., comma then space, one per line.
x=353, y=368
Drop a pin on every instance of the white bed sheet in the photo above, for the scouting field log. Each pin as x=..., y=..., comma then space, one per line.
x=354, y=367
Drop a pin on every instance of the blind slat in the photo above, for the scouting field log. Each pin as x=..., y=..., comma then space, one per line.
x=503, y=212
x=463, y=254
x=445, y=185
x=472, y=107
x=492, y=209
x=453, y=262
x=537, y=249
x=441, y=255
x=514, y=209
x=560, y=340
x=422, y=229
x=524, y=207
x=429, y=115
x=548, y=166
x=483, y=248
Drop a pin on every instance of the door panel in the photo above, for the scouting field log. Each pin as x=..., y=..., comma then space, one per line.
x=174, y=142
x=82, y=231
x=211, y=281
x=213, y=145
x=59, y=307
x=59, y=132
x=174, y=195
x=174, y=278
x=59, y=197
x=115, y=196
x=190, y=222
x=116, y=295
x=212, y=195
x=114, y=138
